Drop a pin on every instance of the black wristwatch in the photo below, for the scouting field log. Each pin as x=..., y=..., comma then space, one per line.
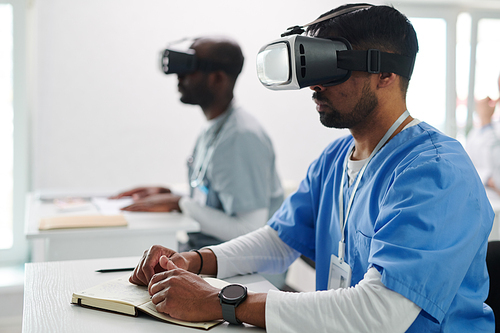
x=230, y=297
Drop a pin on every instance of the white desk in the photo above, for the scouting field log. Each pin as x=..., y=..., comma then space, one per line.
x=48, y=288
x=143, y=230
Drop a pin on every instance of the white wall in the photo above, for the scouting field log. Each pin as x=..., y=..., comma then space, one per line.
x=105, y=117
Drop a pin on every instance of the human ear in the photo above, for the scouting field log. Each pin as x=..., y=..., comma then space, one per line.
x=217, y=78
x=386, y=79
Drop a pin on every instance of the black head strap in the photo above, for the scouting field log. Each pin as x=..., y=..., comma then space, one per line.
x=212, y=66
x=374, y=61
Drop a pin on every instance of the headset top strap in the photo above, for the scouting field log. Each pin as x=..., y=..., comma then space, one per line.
x=298, y=30
x=339, y=13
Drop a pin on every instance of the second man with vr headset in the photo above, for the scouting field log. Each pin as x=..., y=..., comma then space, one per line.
x=234, y=184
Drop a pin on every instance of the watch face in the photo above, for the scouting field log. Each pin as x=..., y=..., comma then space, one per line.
x=233, y=292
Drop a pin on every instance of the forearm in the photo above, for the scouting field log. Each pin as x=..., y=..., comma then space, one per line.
x=208, y=266
x=253, y=310
x=260, y=251
x=367, y=307
x=218, y=224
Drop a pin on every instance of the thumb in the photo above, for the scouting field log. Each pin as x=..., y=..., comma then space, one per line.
x=171, y=265
x=166, y=263
x=163, y=262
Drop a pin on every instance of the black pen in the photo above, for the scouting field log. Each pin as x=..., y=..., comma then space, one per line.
x=110, y=270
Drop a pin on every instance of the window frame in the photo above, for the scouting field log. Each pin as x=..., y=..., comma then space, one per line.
x=450, y=14
x=476, y=16
x=18, y=253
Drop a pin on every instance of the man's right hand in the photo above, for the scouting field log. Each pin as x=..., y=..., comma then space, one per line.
x=485, y=109
x=141, y=192
x=149, y=264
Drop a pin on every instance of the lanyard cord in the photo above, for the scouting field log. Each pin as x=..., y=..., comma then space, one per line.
x=202, y=168
x=343, y=221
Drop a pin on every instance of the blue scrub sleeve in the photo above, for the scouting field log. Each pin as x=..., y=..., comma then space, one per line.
x=295, y=220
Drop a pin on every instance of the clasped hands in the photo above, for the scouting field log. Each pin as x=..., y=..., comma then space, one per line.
x=174, y=288
x=150, y=199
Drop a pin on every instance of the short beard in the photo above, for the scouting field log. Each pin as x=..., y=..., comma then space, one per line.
x=336, y=119
x=198, y=94
x=203, y=98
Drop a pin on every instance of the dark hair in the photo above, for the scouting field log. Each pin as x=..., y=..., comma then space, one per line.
x=227, y=54
x=376, y=27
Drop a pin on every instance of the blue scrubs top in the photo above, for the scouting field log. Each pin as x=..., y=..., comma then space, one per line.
x=420, y=216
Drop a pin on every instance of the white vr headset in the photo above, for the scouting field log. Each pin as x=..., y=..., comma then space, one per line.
x=294, y=61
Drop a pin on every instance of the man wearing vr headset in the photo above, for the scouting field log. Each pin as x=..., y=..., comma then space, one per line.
x=394, y=215
x=235, y=187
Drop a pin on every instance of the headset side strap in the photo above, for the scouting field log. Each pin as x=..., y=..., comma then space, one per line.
x=374, y=61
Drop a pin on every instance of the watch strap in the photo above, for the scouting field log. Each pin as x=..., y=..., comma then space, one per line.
x=229, y=313
x=230, y=301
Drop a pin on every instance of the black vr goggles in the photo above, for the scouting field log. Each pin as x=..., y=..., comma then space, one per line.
x=178, y=62
x=294, y=61
x=186, y=62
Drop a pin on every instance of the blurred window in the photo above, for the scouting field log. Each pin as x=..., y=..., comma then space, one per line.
x=6, y=125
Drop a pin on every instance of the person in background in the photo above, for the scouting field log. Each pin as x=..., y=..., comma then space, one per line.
x=394, y=214
x=235, y=187
x=483, y=144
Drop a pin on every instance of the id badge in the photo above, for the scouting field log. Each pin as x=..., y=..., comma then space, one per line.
x=340, y=274
x=200, y=194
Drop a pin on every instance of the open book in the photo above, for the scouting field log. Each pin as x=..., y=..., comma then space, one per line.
x=119, y=295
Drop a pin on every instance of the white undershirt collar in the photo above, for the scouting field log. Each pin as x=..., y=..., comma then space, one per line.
x=353, y=167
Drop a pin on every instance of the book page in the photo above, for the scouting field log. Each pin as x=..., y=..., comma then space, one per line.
x=217, y=283
x=107, y=206
x=119, y=290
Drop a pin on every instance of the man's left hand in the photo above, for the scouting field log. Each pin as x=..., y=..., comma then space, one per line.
x=184, y=295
